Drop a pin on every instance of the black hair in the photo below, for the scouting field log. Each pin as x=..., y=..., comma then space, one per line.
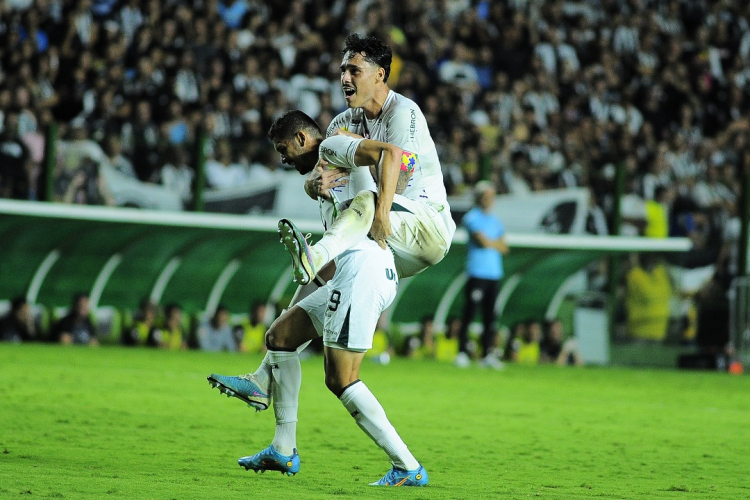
x=372, y=48
x=78, y=296
x=170, y=308
x=291, y=122
x=17, y=303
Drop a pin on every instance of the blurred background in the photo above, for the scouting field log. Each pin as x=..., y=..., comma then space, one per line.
x=592, y=118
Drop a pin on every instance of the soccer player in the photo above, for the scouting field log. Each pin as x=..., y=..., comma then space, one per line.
x=344, y=311
x=410, y=210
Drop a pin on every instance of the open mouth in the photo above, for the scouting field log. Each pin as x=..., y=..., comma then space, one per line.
x=348, y=92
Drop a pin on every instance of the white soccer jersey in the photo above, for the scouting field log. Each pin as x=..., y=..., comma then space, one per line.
x=421, y=231
x=339, y=151
x=402, y=124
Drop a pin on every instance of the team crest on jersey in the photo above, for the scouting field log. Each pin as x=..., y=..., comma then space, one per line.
x=408, y=161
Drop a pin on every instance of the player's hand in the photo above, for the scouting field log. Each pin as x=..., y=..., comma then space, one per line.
x=341, y=131
x=380, y=230
x=330, y=178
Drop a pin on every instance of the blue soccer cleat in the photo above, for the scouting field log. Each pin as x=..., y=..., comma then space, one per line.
x=270, y=459
x=303, y=256
x=401, y=477
x=243, y=387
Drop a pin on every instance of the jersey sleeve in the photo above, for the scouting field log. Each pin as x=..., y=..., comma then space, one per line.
x=339, y=150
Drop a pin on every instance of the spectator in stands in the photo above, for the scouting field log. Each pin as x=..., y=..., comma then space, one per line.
x=141, y=140
x=172, y=335
x=422, y=345
x=15, y=160
x=223, y=172
x=648, y=292
x=528, y=350
x=176, y=174
x=113, y=149
x=76, y=327
x=555, y=348
x=657, y=213
x=484, y=266
x=513, y=342
x=216, y=334
x=143, y=329
x=253, y=329
x=18, y=324
x=446, y=345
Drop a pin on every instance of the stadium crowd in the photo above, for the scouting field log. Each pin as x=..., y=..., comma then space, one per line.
x=528, y=94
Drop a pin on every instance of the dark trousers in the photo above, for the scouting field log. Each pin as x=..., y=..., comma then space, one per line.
x=479, y=293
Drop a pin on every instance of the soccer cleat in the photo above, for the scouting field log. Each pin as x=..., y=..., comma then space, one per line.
x=270, y=459
x=243, y=387
x=302, y=255
x=400, y=477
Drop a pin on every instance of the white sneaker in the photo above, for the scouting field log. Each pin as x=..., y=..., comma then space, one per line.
x=462, y=360
x=491, y=361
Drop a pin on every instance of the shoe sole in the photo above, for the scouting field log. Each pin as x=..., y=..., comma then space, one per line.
x=231, y=393
x=263, y=471
x=303, y=272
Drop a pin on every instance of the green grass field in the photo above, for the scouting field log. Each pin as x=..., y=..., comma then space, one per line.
x=110, y=422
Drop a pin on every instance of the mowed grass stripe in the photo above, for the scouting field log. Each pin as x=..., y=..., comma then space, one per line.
x=136, y=423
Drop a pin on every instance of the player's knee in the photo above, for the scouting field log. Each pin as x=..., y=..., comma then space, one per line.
x=276, y=340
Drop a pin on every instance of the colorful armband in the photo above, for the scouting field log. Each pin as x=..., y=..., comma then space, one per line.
x=408, y=161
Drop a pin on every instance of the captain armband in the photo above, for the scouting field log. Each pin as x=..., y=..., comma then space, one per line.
x=408, y=161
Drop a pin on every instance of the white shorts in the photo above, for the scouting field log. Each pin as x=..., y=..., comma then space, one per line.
x=421, y=235
x=346, y=310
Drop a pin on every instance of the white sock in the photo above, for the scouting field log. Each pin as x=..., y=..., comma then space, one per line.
x=263, y=374
x=349, y=228
x=371, y=418
x=287, y=378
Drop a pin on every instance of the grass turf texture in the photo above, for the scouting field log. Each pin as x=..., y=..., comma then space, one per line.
x=125, y=423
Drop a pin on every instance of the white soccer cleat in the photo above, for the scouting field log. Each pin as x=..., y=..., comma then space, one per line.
x=305, y=260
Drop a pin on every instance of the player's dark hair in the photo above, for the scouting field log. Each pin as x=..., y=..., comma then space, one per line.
x=291, y=122
x=372, y=48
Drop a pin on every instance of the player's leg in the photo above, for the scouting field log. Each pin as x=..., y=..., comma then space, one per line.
x=342, y=379
x=349, y=228
x=366, y=285
x=255, y=388
x=286, y=379
x=421, y=235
